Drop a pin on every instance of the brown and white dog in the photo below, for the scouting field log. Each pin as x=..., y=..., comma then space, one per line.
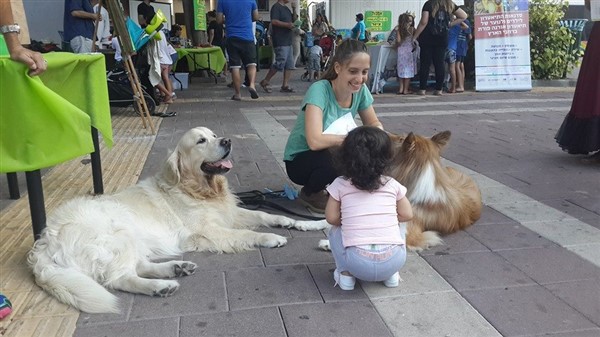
x=443, y=199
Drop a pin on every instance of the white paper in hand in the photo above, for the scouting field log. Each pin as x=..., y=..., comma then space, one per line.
x=341, y=126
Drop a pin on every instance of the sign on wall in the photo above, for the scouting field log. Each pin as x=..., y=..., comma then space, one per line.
x=199, y=15
x=378, y=21
x=502, y=59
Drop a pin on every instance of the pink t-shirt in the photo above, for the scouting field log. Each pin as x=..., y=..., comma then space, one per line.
x=368, y=217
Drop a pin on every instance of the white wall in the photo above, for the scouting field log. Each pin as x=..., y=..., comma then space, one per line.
x=45, y=19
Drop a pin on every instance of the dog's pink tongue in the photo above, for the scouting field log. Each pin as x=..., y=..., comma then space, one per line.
x=224, y=163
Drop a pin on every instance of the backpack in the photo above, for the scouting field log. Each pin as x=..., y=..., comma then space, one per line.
x=440, y=23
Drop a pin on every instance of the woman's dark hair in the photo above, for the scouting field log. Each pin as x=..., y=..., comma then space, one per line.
x=363, y=157
x=343, y=54
x=360, y=16
x=174, y=29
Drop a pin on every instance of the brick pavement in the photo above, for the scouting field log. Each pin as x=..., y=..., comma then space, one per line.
x=529, y=267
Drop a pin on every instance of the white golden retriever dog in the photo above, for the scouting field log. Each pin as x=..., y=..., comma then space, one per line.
x=110, y=241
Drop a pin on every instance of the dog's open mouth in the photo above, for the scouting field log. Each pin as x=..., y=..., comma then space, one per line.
x=217, y=167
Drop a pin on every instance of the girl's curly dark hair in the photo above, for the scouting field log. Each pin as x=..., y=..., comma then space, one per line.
x=364, y=156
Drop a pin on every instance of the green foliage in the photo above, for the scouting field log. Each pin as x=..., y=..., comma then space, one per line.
x=553, y=53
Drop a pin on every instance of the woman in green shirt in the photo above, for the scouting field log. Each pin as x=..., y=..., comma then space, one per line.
x=338, y=97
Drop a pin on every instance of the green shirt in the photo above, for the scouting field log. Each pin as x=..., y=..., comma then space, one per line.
x=321, y=94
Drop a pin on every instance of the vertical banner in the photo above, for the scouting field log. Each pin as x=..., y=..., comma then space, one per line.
x=502, y=56
x=199, y=15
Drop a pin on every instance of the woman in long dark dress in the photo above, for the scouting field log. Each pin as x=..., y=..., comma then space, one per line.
x=580, y=131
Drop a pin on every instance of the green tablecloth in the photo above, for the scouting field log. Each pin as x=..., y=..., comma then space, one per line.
x=46, y=120
x=197, y=58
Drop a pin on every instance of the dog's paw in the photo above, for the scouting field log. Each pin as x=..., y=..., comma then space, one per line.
x=285, y=222
x=165, y=288
x=324, y=245
x=185, y=268
x=311, y=225
x=269, y=240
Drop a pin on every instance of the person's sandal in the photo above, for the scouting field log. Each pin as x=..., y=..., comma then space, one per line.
x=236, y=98
x=286, y=89
x=265, y=86
x=253, y=93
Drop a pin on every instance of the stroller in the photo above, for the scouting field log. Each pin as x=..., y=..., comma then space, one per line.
x=327, y=43
x=120, y=93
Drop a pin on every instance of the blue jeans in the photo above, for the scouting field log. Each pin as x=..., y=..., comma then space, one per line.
x=367, y=265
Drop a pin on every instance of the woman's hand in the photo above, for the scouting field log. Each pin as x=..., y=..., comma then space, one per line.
x=368, y=117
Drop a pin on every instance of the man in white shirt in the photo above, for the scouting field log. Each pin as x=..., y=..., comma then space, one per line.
x=103, y=31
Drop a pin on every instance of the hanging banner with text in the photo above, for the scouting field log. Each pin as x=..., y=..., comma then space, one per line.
x=199, y=15
x=502, y=56
x=378, y=21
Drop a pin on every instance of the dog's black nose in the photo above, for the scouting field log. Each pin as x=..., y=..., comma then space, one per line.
x=225, y=142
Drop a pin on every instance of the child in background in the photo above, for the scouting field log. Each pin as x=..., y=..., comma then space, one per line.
x=451, y=56
x=462, y=47
x=339, y=39
x=166, y=62
x=315, y=57
x=365, y=208
x=406, y=45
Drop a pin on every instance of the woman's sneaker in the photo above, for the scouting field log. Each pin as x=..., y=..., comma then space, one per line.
x=344, y=281
x=316, y=202
x=393, y=281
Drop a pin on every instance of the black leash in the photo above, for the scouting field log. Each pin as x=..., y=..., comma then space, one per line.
x=256, y=199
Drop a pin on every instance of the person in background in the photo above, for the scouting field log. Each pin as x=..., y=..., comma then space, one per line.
x=281, y=36
x=580, y=130
x=366, y=210
x=33, y=60
x=241, y=46
x=296, y=38
x=103, y=34
x=117, y=47
x=358, y=31
x=450, y=56
x=406, y=63
x=433, y=46
x=338, y=97
x=165, y=50
x=78, y=25
x=315, y=58
x=462, y=48
x=145, y=13
x=216, y=35
x=393, y=35
x=319, y=28
x=175, y=38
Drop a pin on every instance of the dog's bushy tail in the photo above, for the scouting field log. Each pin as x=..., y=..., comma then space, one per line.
x=418, y=240
x=72, y=287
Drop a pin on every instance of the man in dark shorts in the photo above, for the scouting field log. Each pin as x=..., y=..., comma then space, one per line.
x=281, y=21
x=240, y=40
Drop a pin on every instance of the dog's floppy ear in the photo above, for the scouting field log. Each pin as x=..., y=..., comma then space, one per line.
x=170, y=171
x=441, y=139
